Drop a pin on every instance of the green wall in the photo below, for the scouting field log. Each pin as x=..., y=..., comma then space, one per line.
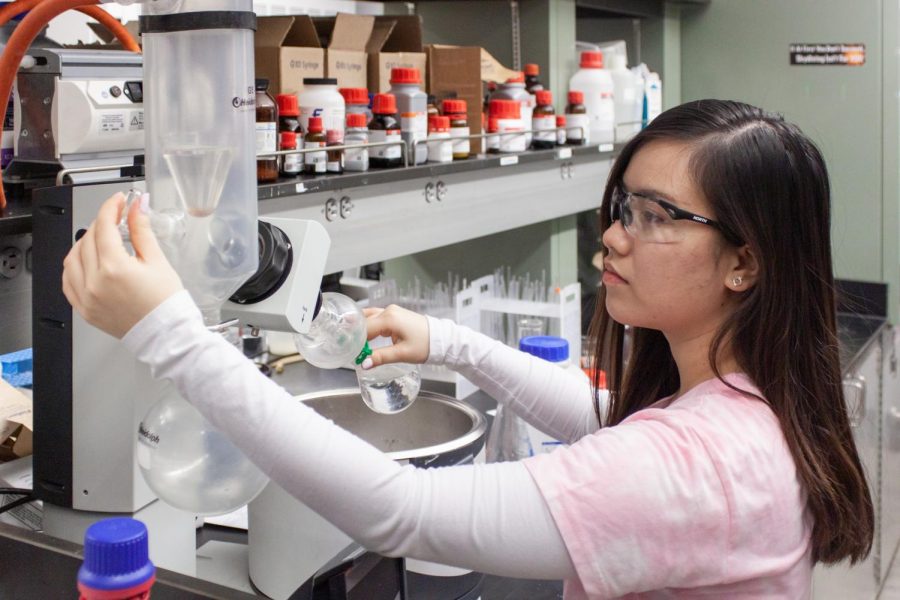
x=739, y=50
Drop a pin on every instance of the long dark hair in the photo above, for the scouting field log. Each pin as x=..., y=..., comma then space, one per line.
x=768, y=185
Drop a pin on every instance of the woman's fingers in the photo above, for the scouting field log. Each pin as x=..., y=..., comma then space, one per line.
x=144, y=241
x=86, y=248
x=379, y=324
x=382, y=356
x=106, y=237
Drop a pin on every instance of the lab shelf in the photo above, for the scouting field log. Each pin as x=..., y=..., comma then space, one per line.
x=377, y=216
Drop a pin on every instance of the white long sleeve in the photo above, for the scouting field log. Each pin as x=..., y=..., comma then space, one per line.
x=490, y=518
x=547, y=397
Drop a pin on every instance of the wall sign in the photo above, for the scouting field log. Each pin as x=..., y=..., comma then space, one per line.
x=834, y=54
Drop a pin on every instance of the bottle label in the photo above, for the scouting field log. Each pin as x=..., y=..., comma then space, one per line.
x=356, y=160
x=382, y=135
x=266, y=137
x=414, y=127
x=578, y=127
x=335, y=166
x=545, y=127
x=561, y=136
x=293, y=163
x=440, y=151
x=509, y=140
x=316, y=162
x=460, y=146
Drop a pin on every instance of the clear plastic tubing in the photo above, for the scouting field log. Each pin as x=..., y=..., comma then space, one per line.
x=200, y=124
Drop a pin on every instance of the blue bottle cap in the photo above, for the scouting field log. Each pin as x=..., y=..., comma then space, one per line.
x=548, y=347
x=115, y=555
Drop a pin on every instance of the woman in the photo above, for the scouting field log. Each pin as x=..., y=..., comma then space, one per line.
x=725, y=465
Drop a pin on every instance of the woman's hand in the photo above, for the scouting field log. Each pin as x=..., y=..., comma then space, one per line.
x=408, y=331
x=110, y=288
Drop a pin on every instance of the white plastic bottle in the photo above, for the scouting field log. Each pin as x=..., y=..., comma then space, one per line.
x=653, y=87
x=555, y=350
x=357, y=133
x=514, y=89
x=412, y=104
x=597, y=85
x=320, y=98
x=440, y=148
x=337, y=338
x=625, y=98
x=640, y=100
x=509, y=125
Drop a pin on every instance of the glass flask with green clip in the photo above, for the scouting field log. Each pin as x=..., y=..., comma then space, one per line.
x=337, y=338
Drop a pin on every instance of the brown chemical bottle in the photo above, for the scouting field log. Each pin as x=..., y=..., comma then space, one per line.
x=459, y=126
x=532, y=83
x=576, y=114
x=266, y=133
x=335, y=162
x=291, y=164
x=385, y=127
x=544, y=122
x=315, y=163
x=432, y=107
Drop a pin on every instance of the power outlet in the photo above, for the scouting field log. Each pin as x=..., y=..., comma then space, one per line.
x=11, y=262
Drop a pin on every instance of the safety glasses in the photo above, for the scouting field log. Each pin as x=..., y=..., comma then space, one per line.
x=655, y=220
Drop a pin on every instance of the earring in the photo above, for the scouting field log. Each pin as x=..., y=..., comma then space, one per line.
x=736, y=281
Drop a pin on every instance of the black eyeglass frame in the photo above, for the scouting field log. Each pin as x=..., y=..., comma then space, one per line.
x=677, y=214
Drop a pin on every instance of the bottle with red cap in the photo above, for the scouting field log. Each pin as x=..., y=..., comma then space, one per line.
x=455, y=110
x=578, y=121
x=315, y=163
x=357, y=101
x=288, y=113
x=357, y=132
x=412, y=104
x=291, y=164
x=385, y=127
x=514, y=89
x=596, y=83
x=532, y=83
x=116, y=561
x=440, y=148
x=560, y=130
x=543, y=121
x=492, y=140
x=510, y=126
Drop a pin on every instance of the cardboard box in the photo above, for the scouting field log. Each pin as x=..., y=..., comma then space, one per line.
x=455, y=70
x=108, y=41
x=396, y=41
x=345, y=38
x=460, y=70
x=287, y=49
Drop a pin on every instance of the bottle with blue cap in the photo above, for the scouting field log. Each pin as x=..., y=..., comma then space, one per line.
x=116, y=561
x=555, y=350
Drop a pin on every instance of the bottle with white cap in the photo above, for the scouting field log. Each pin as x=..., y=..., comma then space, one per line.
x=625, y=92
x=555, y=350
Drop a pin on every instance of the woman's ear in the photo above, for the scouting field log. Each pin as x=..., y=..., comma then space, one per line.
x=745, y=270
